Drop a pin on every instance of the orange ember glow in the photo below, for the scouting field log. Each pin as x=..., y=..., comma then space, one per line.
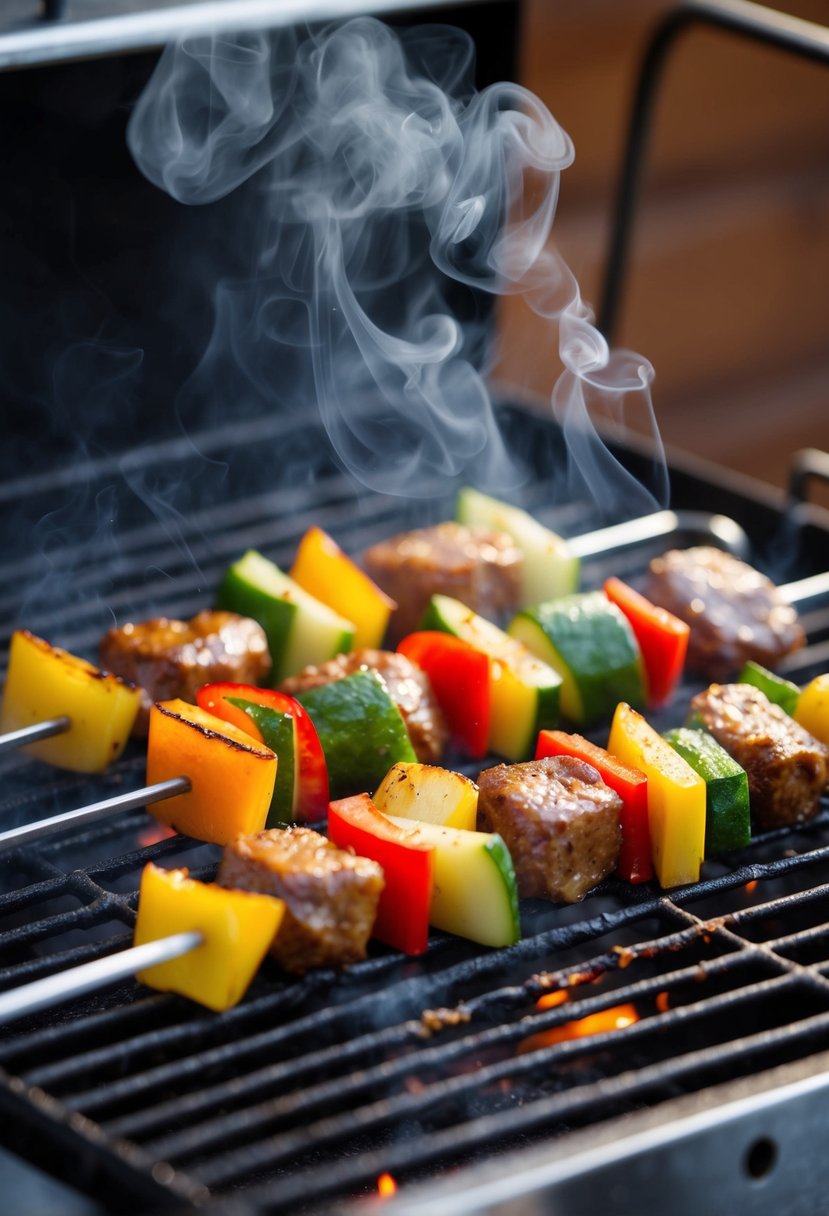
x=663, y=1002
x=386, y=1186
x=550, y=999
x=751, y=886
x=616, y=1018
x=154, y=833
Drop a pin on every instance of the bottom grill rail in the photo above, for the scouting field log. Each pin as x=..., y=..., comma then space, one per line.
x=614, y=1033
x=742, y=1143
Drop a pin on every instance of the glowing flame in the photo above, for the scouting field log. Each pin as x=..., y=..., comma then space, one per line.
x=615, y=1018
x=386, y=1186
x=751, y=887
x=551, y=999
x=663, y=1002
x=154, y=833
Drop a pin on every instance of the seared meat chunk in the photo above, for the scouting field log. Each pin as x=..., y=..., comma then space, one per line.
x=330, y=895
x=168, y=658
x=734, y=612
x=476, y=565
x=787, y=768
x=559, y=821
x=407, y=686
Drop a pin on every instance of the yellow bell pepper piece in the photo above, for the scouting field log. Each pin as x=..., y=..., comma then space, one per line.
x=232, y=776
x=676, y=797
x=45, y=682
x=812, y=709
x=323, y=570
x=514, y=704
x=238, y=928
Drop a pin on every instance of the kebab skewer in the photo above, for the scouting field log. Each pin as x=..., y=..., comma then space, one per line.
x=215, y=937
x=177, y=788
x=52, y=666
x=102, y=709
x=45, y=993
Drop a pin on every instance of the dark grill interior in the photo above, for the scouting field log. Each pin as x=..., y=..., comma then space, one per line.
x=310, y=1090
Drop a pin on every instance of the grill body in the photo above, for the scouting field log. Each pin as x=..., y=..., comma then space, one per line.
x=453, y=1074
x=440, y=1072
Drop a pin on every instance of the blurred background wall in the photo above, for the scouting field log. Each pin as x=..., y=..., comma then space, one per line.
x=727, y=291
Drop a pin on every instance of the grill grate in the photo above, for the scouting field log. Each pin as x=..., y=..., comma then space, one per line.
x=304, y=1094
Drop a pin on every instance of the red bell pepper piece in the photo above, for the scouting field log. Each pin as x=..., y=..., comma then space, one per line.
x=662, y=638
x=460, y=679
x=403, y=912
x=308, y=778
x=634, y=864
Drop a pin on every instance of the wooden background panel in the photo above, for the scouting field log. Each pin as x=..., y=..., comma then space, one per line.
x=728, y=288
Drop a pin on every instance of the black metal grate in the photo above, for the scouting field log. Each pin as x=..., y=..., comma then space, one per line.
x=309, y=1090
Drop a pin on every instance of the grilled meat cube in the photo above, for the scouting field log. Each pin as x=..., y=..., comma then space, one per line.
x=330, y=895
x=168, y=658
x=734, y=612
x=407, y=686
x=787, y=768
x=559, y=820
x=476, y=565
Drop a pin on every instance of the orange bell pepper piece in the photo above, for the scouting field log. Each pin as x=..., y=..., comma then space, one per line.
x=231, y=775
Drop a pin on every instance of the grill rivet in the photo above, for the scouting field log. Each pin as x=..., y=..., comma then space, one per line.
x=761, y=1158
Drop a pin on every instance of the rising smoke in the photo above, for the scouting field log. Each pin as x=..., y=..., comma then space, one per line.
x=389, y=196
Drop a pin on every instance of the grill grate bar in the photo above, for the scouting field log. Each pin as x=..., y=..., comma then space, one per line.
x=183, y=1110
x=422, y=990
x=220, y=1132
x=610, y=1097
x=219, y=1172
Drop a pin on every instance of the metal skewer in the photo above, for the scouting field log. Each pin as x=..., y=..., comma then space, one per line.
x=53, y=989
x=726, y=532
x=31, y=734
x=804, y=589
x=148, y=794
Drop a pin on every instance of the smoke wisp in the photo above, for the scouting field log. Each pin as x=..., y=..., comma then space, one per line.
x=389, y=199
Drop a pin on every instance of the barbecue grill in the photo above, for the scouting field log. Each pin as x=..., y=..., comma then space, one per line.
x=642, y=1048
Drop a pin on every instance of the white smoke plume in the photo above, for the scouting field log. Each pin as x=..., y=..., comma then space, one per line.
x=388, y=196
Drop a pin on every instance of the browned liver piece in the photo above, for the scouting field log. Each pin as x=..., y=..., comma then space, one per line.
x=735, y=613
x=168, y=658
x=407, y=686
x=559, y=821
x=330, y=895
x=478, y=566
x=787, y=768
